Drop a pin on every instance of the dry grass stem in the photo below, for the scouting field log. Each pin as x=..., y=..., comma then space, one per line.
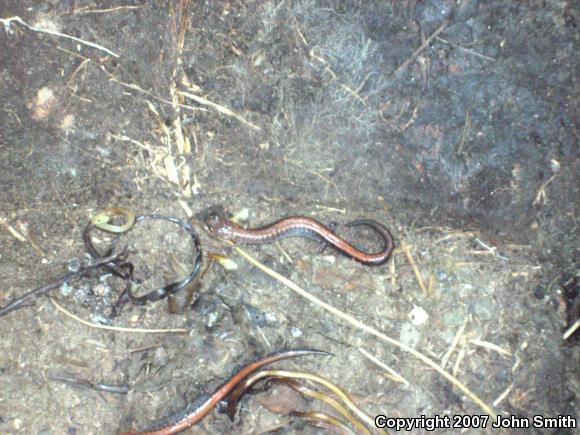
x=431, y=285
x=459, y=360
x=327, y=180
x=467, y=50
x=124, y=138
x=407, y=250
x=395, y=376
x=170, y=170
x=12, y=230
x=353, y=93
x=457, y=235
x=221, y=109
x=180, y=19
x=393, y=272
x=83, y=11
x=494, y=347
x=542, y=196
x=489, y=250
x=118, y=328
x=188, y=211
x=27, y=237
x=31, y=239
x=137, y=88
x=331, y=209
x=161, y=163
x=503, y=395
x=466, y=127
x=362, y=326
x=571, y=330
x=422, y=47
x=348, y=89
x=284, y=253
x=454, y=344
x=77, y=69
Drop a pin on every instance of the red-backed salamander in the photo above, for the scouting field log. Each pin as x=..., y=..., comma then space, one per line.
x=300, y=226
x=198, y=409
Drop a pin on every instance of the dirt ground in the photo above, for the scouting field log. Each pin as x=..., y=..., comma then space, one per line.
x=454, y=123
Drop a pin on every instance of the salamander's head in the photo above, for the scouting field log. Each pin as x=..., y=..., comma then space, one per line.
x=220, y=226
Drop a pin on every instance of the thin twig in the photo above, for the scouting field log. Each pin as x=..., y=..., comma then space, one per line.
x=503, y=395
x=397, y=377
x=360, y=325
x=490, y=249
x=407, y=250
x=313, y=172
x=571, y=330
x=460, y=357
x=7, y=21
x=454, y=344
x=221, y=109
x=106, y=11
x=12, y=230
x=137, y=88
x=467, y=50
x=491, y=346
x=422, y=47
x=542, y=196
x=393, y=272
x=31, y=239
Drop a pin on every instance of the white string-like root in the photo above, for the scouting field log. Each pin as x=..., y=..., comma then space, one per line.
x=8, y=21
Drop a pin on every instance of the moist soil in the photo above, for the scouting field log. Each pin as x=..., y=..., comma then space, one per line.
x=453, y=123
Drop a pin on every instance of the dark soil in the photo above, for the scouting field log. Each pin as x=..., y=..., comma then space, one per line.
x=464, y=144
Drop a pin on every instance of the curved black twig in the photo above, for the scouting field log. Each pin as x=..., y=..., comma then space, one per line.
x=26, y=298
x=125, y=270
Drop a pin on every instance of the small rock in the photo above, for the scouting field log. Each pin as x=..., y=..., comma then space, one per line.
x=418, y=316
x=212, y=318
x=17, y=424
x=296, y=332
